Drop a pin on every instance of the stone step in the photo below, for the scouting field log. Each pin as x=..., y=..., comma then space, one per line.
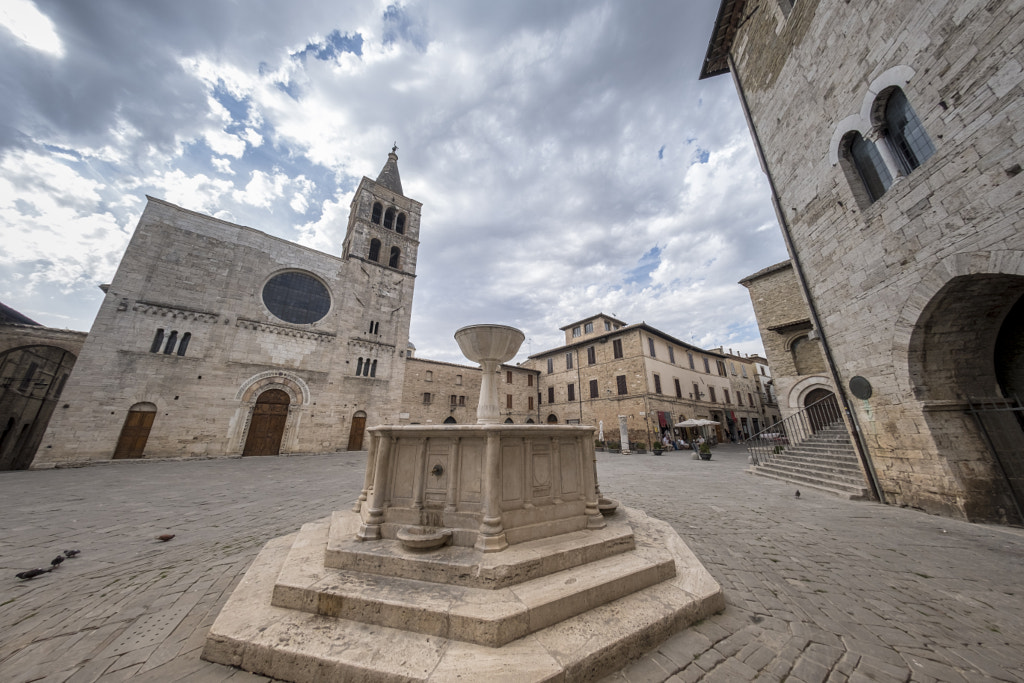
x=841, y=489
x=491, y=617
x=852, y=478
x=822, y=455
x=840, y=470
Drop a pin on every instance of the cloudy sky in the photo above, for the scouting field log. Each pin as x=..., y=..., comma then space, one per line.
x=568, y=160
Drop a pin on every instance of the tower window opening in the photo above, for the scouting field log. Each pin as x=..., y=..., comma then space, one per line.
x=378, y=209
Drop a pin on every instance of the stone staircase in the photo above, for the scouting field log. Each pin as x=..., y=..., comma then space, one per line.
x=825, y=461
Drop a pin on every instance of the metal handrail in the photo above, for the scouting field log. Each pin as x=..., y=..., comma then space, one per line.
x=795, y=429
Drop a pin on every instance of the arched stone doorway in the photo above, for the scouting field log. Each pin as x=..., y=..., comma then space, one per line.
x=31, y=380
x=266, y=427
x=450, y=420
x=355, y=434
x=965, y=364
x=822, y=409
x=552, y=419
x=131, y=442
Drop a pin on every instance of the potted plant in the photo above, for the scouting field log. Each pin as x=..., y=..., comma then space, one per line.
x=705, y=451
x=599, y=445
x=614, y=447
x=639, y=447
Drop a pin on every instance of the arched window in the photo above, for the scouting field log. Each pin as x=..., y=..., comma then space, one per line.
x=400, y=224
x=359, y=367
x=449, y=420
x=396, y=255
x=183, y=346
x=378, y=208
x=171, y=341
x=389, y=218
x=868, y=163
x=373, y=368
x=909, y=141
x=374, y=250
x=366, y=368
x=158, y=340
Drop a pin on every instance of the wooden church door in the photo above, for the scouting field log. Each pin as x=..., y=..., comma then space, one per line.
x=135, y=433
x=266, y=428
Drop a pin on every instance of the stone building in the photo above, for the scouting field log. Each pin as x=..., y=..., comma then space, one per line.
x=218, y=339
x=891, y=134
x=607, y=369
x=800, y=374
x=35, y=362
x=748, y=413
x=436, y=392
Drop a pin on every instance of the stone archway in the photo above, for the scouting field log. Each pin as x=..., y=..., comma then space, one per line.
x=967, y=350
x=552, y=419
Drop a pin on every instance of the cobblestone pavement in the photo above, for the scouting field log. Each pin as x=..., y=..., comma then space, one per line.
x=818, y=588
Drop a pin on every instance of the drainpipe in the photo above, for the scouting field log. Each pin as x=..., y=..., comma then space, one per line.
x=858, y=439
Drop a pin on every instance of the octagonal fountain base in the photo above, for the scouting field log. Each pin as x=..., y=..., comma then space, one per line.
x=319, y=605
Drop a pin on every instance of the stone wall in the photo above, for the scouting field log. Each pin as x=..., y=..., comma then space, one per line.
x=886, y=275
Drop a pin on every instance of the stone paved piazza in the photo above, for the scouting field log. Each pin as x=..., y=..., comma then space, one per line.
x=817, y=588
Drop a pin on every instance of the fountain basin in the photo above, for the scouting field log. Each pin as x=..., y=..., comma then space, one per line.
x=422, y=537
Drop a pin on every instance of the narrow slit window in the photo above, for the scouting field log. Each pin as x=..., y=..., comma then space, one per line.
x=183, y=346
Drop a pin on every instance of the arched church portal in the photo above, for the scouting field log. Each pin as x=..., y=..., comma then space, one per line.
x=966, y=363
x=266, y=427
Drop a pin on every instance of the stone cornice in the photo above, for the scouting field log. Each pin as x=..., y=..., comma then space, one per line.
x=165, y=310
x=285, y=330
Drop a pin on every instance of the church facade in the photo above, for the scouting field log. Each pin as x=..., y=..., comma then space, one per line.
x=891, y=134
x=216, y=339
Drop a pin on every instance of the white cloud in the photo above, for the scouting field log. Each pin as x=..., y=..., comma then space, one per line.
x=23, y=19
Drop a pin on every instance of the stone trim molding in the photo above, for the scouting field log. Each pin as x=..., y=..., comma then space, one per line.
x=897, y=76
x=165, y=310
x=285, y=330
x=806, y=386
x=293, y=385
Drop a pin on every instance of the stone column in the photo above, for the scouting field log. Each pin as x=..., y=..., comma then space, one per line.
x=588, y=465
x=491, y=537
x=369, y=530
x=368, y=477
x=488, y=411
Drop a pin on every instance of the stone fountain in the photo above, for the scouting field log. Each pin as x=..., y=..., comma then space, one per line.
x=474, y=551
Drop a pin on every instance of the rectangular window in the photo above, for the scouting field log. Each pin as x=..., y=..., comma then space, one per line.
x=726, y=392
x=607, y=326
x=679, y=388
x=721, y=368
x=750, y=400
x=671, y=355
x=711, y=395
x=529, y=402
x=551, y=394
x=707, y=366
x=551, y=365
x=591, y=355
x=568, y=361
x=743, y=369
x=462, y=400
x=739, y=398
x=430, y=376
x=696, y=392
x=620, y=382
x=453, y=400
x=508, y=401
x=593, y=389
x=657, y=384
x=617, y=348
x=690, y=357
x=529, y=380
x=732, y=366
x=571, y=392
x=426, y=397
x=588, y=328
x=508, y=377
x=458, y=379
x=650, y=345
x=576, y=331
